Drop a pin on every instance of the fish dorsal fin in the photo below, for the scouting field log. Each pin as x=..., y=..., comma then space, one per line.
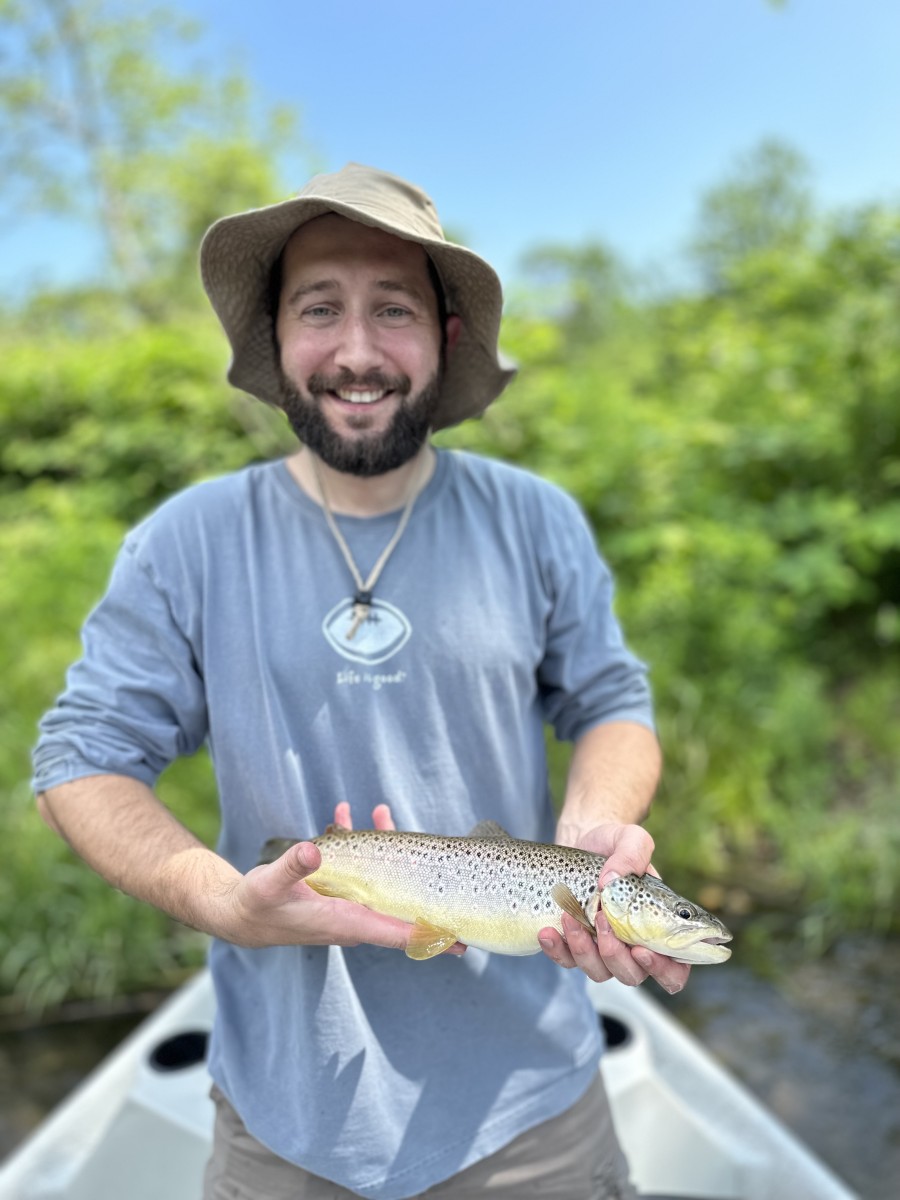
x=488, y=829
x=336, y=830
x=563, y=896
x=427, y=941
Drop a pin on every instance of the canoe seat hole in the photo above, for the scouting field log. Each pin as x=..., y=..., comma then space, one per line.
x=616, y=1032
x=183, y=1050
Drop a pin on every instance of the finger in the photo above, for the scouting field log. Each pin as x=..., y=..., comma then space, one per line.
x=584, y=951
x=296, y=863
x=631, y=855
x=342, y=815
x=554, y=946
x=381, y=817
x=669, y=974
x=274, y=883
x=618, y=958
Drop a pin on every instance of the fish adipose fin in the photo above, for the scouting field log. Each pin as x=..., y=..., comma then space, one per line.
x=488, y=829
x=563, y=896
x=427, y=941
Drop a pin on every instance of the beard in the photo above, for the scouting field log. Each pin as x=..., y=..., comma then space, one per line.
x=362, y=455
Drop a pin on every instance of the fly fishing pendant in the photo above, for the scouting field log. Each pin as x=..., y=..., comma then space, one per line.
x=362, y=597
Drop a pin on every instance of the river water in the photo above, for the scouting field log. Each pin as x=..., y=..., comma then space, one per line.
x=819, y=1043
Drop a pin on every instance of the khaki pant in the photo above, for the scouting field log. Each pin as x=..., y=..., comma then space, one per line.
x=574, y=1156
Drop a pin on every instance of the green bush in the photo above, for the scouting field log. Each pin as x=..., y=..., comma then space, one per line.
x=738, y=455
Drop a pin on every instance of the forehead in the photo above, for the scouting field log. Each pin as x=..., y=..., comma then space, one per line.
x=343, y=244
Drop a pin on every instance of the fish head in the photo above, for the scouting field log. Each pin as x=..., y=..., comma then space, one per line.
x=644, y=911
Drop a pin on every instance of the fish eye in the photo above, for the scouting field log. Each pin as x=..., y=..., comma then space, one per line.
x=685, y=912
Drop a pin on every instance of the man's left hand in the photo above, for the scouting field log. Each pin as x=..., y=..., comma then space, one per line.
x=627, y=849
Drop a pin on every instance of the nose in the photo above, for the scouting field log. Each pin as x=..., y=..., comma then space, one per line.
x=357, y=348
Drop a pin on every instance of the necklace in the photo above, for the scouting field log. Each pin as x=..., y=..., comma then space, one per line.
x=362, y=597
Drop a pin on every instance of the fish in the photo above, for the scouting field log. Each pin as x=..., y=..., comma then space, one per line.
x=496, y=892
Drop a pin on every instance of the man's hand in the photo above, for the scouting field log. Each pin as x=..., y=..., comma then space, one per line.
x=273, y=905
x=627, y=849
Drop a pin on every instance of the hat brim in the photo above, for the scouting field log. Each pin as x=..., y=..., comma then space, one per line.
x=236, y=260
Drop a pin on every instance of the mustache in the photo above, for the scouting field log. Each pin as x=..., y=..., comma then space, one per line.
x=375, y=381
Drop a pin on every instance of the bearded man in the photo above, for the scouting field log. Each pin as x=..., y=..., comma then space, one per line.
x=374, y=621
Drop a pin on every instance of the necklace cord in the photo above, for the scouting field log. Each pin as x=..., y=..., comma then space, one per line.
x=362, y=600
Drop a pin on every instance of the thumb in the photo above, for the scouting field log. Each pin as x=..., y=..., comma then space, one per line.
x=296, y=863
x=631, y=854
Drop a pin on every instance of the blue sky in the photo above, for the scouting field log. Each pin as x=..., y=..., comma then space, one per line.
x=540, y=120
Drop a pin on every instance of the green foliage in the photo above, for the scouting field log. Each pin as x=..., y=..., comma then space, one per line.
x=765, y=206
x=114, y=118
x=738, y=453
x=92, y=435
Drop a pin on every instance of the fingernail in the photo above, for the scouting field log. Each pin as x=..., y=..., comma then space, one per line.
x=610, y=878
x=546, y=943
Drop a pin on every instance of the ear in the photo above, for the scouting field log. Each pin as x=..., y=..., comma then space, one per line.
x=454, y=329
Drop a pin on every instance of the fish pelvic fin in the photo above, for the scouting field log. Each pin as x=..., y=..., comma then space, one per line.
x=562, y=895
x=488, y=829
x=427, y=941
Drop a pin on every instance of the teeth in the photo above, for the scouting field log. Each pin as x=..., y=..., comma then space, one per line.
x=361, y=397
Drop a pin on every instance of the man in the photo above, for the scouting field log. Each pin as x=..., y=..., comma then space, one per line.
x=376, y=624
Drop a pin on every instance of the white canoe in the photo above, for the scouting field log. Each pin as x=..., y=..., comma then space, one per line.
x=139, y=1127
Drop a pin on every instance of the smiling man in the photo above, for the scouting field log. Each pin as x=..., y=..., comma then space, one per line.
x=361, y=341
x=375, y=622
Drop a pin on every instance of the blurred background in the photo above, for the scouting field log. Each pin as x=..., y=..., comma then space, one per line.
x=695, y=207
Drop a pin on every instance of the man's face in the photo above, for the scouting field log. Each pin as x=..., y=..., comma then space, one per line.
x=360, y=344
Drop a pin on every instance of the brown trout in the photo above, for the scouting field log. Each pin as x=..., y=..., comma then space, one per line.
x=497, y=892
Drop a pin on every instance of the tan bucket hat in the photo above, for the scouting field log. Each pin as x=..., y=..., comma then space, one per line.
x=238, y=253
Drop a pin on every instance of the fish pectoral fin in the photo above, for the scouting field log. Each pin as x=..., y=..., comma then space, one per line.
x=563, y=896
x=427, y=941
x=488, y=829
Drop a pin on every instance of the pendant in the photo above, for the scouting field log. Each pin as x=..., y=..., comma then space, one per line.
x=362, y=606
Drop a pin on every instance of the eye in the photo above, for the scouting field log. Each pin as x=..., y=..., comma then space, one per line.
x=685, y=912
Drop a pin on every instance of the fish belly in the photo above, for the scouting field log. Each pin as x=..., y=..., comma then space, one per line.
x=490, y=909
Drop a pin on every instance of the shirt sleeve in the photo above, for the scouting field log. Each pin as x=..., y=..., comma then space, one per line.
x=135, y=700
x=588, y=676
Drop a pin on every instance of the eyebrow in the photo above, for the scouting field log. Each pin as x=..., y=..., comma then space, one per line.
x=330, y=285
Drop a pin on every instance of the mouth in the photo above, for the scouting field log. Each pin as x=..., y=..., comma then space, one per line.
x=360, y=397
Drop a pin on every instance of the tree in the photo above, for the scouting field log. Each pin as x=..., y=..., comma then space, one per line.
x=582, y=288
x=112, y=122
x=766, y=204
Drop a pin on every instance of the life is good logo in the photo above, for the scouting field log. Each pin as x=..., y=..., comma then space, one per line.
x=378, y=638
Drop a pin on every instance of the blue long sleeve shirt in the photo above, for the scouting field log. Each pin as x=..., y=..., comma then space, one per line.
x=226, y=623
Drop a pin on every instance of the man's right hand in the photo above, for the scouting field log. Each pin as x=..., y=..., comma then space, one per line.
x=120, y=828
x=272, y=906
